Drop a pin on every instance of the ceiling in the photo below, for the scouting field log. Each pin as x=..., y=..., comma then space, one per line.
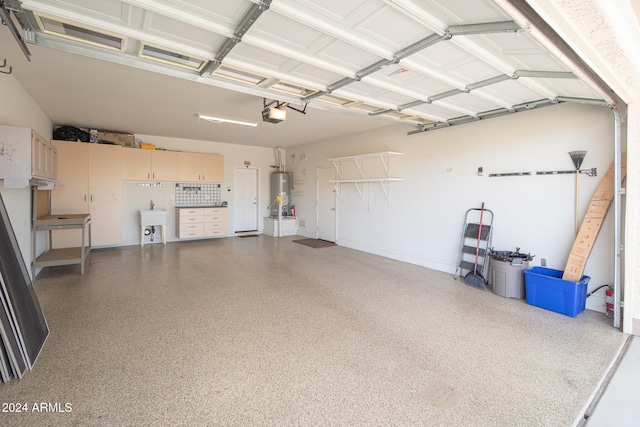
x=336, y=67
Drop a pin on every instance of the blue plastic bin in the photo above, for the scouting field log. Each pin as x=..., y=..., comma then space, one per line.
x=545, y=288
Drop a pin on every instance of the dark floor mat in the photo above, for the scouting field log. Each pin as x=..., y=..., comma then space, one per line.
x=250, y=235
x=315, y=243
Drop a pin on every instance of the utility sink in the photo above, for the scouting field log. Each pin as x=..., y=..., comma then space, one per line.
x=153, y=217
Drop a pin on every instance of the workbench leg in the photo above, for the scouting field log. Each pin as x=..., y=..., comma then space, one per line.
x=141, y=236
x=82, y=255
x=164, y=235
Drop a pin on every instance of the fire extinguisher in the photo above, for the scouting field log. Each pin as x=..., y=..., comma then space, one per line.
x=608, y=299
x=293, y=211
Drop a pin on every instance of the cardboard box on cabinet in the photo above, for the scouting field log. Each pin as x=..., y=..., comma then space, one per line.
x=118, y=138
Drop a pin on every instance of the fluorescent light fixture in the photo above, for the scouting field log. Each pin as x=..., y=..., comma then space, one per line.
x=223, y=120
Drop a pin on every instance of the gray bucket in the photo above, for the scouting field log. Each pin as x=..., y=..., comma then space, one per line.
x=507, y=278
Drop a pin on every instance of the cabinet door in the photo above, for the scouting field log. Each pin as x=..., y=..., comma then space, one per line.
x=212, y=168
x=39, y=156
x=15, y=156
x=43, y=157
x=189, y=167
x=105, y=194
x=52, y=162
x=136, y=164
x=71, y=193
x=164, y=165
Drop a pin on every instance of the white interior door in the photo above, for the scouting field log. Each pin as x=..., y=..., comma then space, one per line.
x=245, y=199
x=326, y=204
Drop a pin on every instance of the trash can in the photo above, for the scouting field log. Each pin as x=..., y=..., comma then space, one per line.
x=506, y=273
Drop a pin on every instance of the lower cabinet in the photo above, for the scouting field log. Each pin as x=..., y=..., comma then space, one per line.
x=215, y=222
x=192, y=223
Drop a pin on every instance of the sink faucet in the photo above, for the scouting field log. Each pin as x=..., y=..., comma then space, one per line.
x=152, y=205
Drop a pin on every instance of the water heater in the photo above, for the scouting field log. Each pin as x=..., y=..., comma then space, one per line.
x=280, y=186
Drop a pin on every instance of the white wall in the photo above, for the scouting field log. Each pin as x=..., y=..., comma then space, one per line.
x=17, y=108
x=423, y=221
x=136, y=197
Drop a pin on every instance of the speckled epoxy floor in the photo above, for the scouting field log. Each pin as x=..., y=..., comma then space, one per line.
x=263, y=331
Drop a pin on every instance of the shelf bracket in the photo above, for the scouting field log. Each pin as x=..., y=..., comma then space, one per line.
x=336, y=186
x=360, y=191
x=386, y=165
x=386, y=190
x=360, y=167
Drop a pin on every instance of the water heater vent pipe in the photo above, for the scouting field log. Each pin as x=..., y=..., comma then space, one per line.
x=280, y=165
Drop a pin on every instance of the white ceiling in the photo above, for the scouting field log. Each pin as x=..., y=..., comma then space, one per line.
x=355, y=64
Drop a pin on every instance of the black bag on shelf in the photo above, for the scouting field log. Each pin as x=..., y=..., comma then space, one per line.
x=70, y=133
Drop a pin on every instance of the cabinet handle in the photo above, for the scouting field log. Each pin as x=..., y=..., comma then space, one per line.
x=85, y=197
x=148, y=174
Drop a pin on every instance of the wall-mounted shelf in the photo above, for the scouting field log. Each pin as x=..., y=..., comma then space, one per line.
x=381, y=155
x=361, y=179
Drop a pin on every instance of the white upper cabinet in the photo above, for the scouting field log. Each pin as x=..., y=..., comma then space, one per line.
x=25, y=155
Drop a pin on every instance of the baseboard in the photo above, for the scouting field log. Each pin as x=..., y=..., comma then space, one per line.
x=305, y=234
x=408, y=257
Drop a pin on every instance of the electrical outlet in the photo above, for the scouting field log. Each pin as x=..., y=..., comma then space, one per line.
x=543, y=262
